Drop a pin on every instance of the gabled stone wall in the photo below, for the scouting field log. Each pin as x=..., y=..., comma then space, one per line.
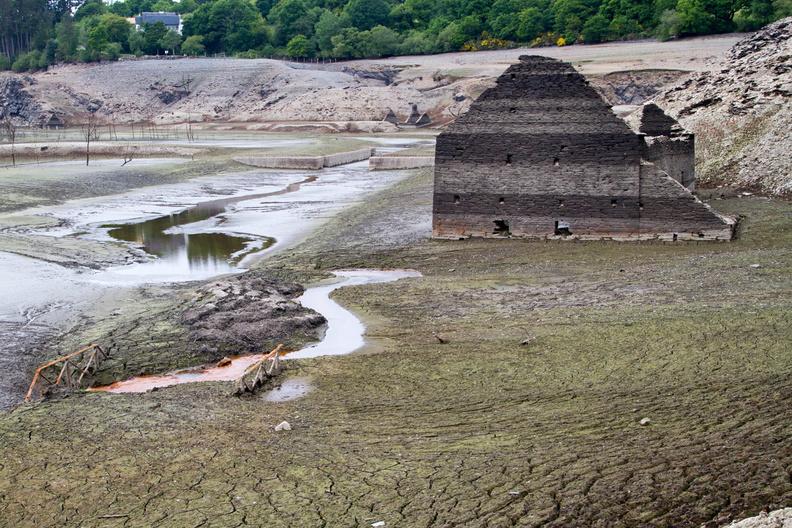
x=667, y=145
x=542, y=155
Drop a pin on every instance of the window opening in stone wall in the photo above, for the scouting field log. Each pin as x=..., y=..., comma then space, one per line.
x=556, y=162
x=676, y=235
x=560, y=203
x=508, y=159
x=640, y=206
x=562, y=228
x=501, y=200
x=456, y=198
x=512, y=110
x=501, y=228
x=614, y=203
x=514, y=76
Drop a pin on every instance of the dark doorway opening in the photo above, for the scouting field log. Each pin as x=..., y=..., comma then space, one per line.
x=501, y=228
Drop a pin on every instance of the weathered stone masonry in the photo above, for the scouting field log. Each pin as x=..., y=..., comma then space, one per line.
x=541, y=154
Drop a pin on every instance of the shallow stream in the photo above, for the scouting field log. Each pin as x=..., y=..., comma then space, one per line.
x=344, y=335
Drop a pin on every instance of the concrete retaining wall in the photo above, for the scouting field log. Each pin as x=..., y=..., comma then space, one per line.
x=284, y=162
x=342, y=158
x=400, y=162
x=306, y=162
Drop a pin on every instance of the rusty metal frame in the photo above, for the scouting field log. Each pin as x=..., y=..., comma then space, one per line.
x=70, y=367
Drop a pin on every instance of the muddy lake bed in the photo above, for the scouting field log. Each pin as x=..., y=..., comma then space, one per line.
x=194, y=229
x=510, y=385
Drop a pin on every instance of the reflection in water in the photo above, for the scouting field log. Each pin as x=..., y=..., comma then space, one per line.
x=207, y=251
x=344, y=335
x=201, y=250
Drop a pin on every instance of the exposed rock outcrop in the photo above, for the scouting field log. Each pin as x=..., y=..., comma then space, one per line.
x=741, y=113
x=15, y=101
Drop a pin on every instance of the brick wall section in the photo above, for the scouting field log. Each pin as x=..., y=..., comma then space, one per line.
x=542, y=155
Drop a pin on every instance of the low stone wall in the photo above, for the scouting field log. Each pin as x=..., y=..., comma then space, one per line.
x=307, y=162
x=342, y=158
x=400, y=162
x=284, y=162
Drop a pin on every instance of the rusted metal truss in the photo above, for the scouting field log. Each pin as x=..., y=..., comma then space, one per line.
x=255, y=375
x=73, y=369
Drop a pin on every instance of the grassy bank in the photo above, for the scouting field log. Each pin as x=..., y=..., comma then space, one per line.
x=510, y=390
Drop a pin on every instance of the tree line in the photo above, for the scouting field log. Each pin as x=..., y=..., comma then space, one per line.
x=37, y=33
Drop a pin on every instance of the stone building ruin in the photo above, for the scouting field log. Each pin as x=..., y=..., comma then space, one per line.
x=542, y=155
x=416, y=119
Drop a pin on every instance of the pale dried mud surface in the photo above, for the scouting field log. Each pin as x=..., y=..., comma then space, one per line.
x=528, y=413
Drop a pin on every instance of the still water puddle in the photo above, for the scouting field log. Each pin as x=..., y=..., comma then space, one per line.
x=344, y=335
x=187, y=244
x=291, y=389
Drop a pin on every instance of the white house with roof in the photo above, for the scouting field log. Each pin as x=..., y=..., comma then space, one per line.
x=171, y=20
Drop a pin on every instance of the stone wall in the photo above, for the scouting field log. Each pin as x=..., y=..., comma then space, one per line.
x=307, y=162
x=400, y=162
x=675, y=155
x=541, y=154
x=342, y=158
x=667, y=144
x=283, y=162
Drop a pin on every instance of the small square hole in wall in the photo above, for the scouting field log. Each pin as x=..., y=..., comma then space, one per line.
x=456, y=198
x=614, y=203
x=556, y=162
x=512, y=110
x=560, y=203
x=501, y=200
x=513, y=76
x=508, y=159
x=562, y=228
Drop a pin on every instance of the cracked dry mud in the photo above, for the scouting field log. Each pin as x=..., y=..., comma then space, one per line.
x=528, y=415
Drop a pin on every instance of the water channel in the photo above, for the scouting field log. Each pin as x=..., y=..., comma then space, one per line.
x=344, y=335
x=192, y=230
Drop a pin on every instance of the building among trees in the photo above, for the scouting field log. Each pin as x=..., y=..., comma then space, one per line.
x=172, y=21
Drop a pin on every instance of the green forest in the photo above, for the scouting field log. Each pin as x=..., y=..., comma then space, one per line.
x=37, y=33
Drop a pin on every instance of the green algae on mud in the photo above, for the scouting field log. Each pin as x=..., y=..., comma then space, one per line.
x=528, y=413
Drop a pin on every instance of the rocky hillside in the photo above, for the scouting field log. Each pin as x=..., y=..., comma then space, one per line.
x=172, y=91
x=741, y=111
x=267, y=94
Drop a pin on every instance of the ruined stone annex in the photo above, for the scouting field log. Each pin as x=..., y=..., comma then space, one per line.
x=542, y=155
